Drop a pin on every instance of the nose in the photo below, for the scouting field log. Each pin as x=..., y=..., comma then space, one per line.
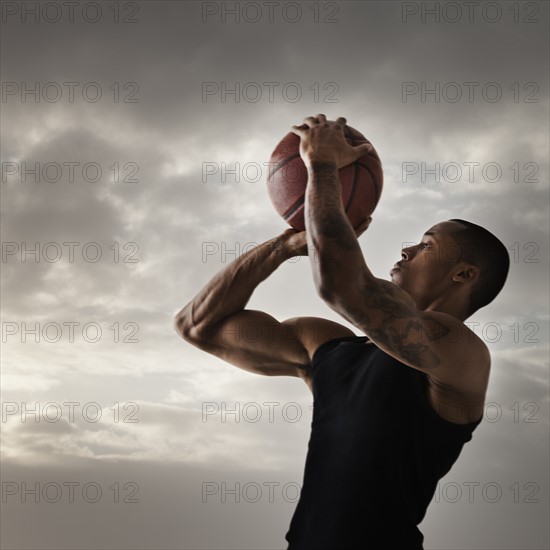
x=408, y=252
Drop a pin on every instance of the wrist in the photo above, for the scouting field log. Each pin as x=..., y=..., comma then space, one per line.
x=293, y=243
x=283, y=247
x=317, y=162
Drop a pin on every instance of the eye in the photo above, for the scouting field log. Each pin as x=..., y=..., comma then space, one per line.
x=424, y=245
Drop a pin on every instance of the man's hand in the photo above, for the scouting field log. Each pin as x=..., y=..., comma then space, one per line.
x=323, y=141
x=297, y=242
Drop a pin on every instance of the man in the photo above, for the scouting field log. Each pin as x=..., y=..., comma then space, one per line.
x=392, y=409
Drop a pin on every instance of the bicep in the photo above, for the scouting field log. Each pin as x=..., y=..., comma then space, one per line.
x=253, y=341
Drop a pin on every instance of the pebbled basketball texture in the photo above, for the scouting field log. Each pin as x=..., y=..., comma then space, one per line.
x=361, y=181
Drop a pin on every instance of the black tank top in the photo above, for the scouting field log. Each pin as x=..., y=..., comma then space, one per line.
x=376, y=452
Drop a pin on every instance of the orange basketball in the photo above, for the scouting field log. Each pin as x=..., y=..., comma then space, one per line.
x=361, y=181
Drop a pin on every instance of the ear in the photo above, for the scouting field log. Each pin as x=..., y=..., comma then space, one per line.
x=466, y=273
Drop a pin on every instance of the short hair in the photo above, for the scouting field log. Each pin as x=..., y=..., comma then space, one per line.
x=481, y=248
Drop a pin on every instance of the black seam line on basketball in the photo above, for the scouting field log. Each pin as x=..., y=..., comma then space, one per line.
x=291, y=211
x=375, y=187
x=282, y=163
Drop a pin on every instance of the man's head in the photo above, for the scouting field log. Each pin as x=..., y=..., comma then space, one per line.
x=459, y=267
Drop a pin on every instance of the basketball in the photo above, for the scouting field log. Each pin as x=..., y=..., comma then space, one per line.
x=287, y=180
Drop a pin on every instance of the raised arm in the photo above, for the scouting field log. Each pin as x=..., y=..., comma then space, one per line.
x=429, y=341
x=217, y=322
x=230, y=289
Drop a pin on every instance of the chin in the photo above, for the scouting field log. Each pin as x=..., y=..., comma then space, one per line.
x=396, y=278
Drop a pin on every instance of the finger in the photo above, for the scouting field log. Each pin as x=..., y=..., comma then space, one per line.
x=364, y=149
x=322, y=118
x=310, y=121
x=341, y=121
x=364, y=226
x=298, y=130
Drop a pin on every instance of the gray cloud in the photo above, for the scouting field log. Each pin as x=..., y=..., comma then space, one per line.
x=183, y=225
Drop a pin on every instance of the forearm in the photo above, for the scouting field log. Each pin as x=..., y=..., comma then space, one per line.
x=231, y=288
x=329, y=232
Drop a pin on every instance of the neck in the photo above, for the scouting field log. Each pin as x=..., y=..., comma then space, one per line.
x=455, y=305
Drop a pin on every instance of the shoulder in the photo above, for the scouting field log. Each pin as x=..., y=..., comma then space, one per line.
x=466, y=359
x=454, y=332
x=312, y=332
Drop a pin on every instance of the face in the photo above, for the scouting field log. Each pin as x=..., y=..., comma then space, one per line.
x=425, y=270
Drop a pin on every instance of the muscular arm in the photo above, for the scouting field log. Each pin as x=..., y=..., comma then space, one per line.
x=230, y=289
x=429, y=341
x=217, y=322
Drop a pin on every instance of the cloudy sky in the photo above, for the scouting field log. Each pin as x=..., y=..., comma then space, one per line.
x=134, y=137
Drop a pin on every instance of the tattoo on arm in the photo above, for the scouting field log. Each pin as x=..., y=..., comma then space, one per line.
x=337, y=227
x=396, y=326
x=325, y=200
x=390, y=321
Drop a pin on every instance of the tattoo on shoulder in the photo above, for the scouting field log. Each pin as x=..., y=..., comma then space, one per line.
x=417, y=353
x=396, y=326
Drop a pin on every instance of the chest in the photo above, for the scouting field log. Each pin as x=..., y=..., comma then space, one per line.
x=362, y=381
